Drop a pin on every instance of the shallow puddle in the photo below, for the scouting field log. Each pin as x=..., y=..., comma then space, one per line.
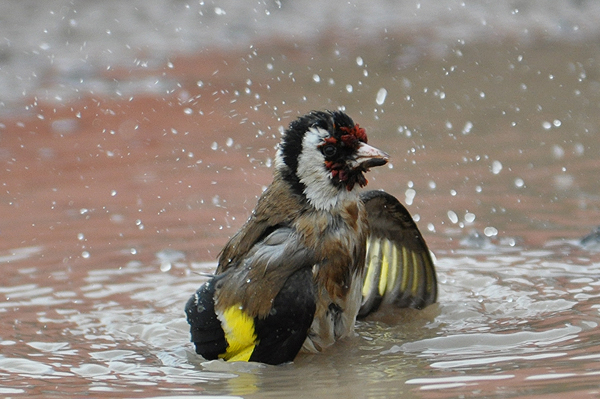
x=119, y=188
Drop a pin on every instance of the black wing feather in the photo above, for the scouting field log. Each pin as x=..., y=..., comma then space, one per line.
x=282, y=333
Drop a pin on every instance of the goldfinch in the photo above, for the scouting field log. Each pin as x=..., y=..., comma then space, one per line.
x=315, y=254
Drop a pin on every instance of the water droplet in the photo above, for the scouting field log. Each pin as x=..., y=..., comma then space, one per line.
x=546, y=125
x=64, y=126
x=519, y=182
x=188, y=111
x=80, y=236
x=116, y=218
x=359, y=61
x=85, y=254
x=469, y=217
x=453, y=217
x=229, y=142
x=165, y=266
x=563, y=182
x=349, y=88
x=113, y=193
x=467, y=128
x=490, y=231
x=410, y=196
x=558, y=151
x=214, y=146
x=316, y=78
x=496, y=167
x=381, y=95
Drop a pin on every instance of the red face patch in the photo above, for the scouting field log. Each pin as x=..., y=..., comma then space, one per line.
x=353, y=135
x=341, y=173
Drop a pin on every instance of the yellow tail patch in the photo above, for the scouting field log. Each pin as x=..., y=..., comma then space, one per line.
x=239, y=333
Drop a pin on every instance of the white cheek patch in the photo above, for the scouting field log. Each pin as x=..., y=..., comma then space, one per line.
x=320, y=191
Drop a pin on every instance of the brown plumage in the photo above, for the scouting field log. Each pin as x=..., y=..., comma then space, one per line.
x=294, y=274
x=335, y=241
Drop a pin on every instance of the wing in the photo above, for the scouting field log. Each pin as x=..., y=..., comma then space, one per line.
x=276, y=208
x=283, y=332
x=260, y=309
x=399, y=267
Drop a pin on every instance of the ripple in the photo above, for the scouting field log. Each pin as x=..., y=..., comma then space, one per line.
x=91, y=370
x=24, y=366
x=116, y=354
x=452, y=382
x=7, y=391
x=478, y=343
x=486, y=360
x=17, y=254
x=49, y=346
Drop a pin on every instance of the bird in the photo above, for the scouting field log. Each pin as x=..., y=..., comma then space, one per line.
x=316, y=253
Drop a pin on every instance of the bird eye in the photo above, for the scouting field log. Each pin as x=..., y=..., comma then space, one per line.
x=329, y=150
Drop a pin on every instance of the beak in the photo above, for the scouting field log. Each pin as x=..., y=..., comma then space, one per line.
x=368, y=157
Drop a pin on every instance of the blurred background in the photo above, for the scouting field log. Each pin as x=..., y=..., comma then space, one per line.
x=135, y=138
x=72, y=48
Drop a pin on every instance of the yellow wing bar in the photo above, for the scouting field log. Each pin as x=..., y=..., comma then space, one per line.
x=399, y=268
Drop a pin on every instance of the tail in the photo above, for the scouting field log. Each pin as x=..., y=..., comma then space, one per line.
x=231, y=334
x=205, y=326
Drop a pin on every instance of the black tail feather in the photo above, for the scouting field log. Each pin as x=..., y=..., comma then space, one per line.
x=205, y=327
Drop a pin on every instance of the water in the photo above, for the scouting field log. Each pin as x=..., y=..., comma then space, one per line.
x=120, y=185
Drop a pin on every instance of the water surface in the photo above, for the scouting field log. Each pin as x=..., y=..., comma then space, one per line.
x=120, y=185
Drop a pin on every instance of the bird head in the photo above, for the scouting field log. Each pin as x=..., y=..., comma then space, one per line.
x=325, y=155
